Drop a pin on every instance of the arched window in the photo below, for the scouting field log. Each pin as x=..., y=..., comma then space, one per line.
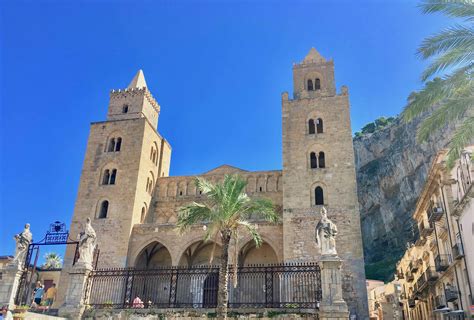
x=317, y=84
x=321, y=160
x=113, y=176
x=154, y=156
x=111, y=145
x=125, y=109
x=118, y=144
x=311, y=127
x=319, y=125
x=310, y=85
x=142, y=218
x=106, y=177
x=313, y=161
x=318, y=196
x=104, y=208
x=151, y=153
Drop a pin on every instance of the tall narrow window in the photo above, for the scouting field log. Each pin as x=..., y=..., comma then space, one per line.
x=317, y=84
x=111, y=145
x=118, y=144
x=321, y=160
x=151, y=153
x=106, y=177
x=104, y=208
x=142, y=218
x=318, y=196
x=310, y=85
x=313, y=161
x=125, y=109
x=311, y=127
x=113, y=176
x=319, y=125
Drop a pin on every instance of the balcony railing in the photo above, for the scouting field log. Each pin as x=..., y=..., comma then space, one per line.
x=421, y=283
x=435, y=214
x=451, y=294
x=442, y=262
x=458, y=251
x=431, y=275
x=440, y=302
x=425, y=229
x=411, y=303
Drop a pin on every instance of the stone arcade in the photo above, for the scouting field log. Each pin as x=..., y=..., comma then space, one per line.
x=126, y=190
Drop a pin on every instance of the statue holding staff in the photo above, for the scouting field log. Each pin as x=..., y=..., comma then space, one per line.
x=23, y=241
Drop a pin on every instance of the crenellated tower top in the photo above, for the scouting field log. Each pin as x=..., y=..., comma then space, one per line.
x=136, y=101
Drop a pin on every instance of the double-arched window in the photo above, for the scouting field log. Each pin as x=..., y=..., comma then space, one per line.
x=317, y=160
x=314, y=86
x=154, y=154
x=114, y=144
x=315, y=126
x=109, y=176
x=150, y=182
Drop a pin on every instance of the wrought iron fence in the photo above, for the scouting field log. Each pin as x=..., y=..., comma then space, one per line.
x=258, y=286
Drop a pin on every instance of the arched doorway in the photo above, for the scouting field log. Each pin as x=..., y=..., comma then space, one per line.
x=154, y=255
x=202, y=289
x=156, y=258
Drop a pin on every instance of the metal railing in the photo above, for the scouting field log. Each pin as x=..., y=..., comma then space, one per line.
x=451, y=294
x=442, y=262
x=435, y=213
x=440, y=302
x=272, y=286
x=458, y=251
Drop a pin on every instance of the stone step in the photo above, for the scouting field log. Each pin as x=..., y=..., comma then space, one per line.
x=41, y=316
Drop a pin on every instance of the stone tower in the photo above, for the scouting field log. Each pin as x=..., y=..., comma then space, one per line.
x=319, y=169
x=124, y=158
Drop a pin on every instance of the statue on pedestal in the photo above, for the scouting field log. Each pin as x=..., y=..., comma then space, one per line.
x=87, y=241
x=326, y=232
x=23, y=241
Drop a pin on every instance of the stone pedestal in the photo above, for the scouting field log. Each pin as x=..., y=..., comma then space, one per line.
x=11, y=275
x=332, y=306
x=75, y=303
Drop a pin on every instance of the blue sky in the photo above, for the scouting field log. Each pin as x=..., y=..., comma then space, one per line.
x=217, y=68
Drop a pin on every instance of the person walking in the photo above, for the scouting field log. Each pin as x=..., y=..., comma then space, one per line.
x=38, y=294
x=50, y=295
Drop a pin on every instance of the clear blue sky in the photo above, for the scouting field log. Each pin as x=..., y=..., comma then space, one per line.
x=217, y=69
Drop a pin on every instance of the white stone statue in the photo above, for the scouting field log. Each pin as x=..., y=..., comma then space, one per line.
x=87, y=241
x=23, y=241
x=326, y=232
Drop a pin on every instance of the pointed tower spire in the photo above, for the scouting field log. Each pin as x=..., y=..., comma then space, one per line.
x=314, y=55
x=138, y=81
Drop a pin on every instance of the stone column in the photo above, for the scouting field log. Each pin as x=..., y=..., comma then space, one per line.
x=332, y=306
x=75, y=303
x=11, y=275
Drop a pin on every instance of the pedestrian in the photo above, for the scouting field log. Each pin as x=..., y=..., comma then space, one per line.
x=38, y=294
x=50, y=295
x=6, y=314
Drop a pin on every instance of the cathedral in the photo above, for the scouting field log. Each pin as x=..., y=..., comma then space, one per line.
x=126, y=189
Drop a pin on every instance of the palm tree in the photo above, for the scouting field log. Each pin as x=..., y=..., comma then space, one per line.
x=52, y=261
x=225, y=212
x=451, y=94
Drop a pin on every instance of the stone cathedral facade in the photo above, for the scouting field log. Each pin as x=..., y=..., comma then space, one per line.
x=126, y=189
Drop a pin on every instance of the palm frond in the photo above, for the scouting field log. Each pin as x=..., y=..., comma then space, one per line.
x=453, y=58
x=455, y=37
x=462, y=137
x=454, y=8
x=252, y=230
x=191, y=214
x=263, y=208
x=451, y=110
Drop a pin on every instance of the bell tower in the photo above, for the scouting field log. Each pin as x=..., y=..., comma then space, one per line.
x=125, y=156
x=319, y=170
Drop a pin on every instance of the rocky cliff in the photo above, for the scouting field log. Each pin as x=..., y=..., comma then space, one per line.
x=391, y=171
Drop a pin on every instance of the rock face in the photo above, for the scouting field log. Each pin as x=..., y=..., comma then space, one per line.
x=391, y=172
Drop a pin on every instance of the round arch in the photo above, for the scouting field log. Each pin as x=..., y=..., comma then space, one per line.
x=249, y=254
x=326, y=197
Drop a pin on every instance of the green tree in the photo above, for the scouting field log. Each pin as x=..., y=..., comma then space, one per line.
x=226, y=212
x=451, y=94
x=52, y=261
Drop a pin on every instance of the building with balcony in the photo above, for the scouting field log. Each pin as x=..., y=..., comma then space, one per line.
x=436, y=272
